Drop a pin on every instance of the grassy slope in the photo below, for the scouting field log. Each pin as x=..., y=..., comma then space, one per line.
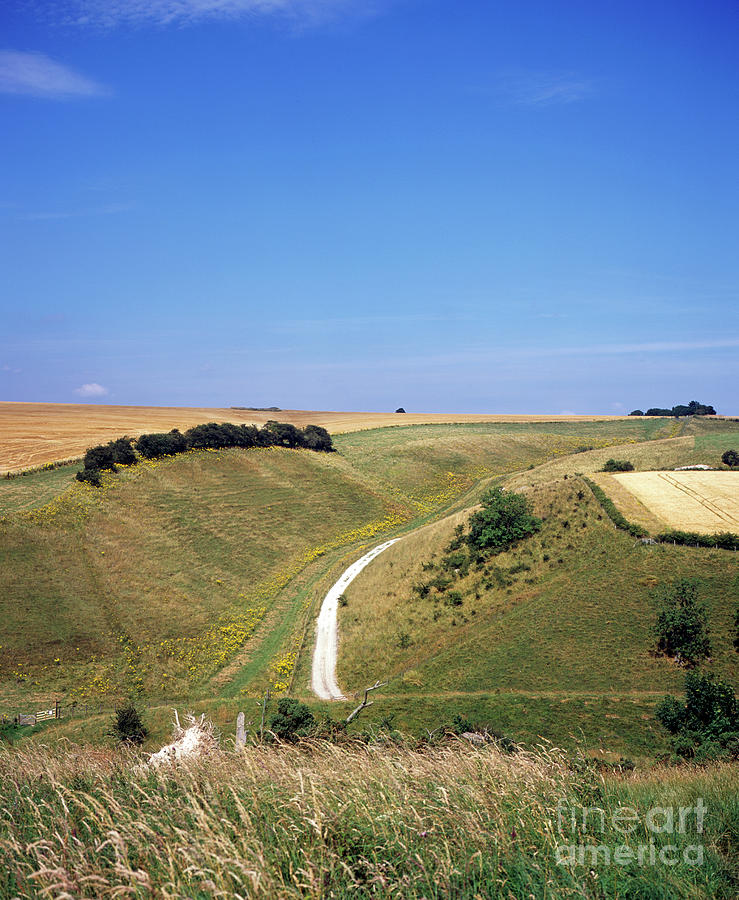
x=562, y=646
x=170, y=548
x=163, y=555
x=34, y=489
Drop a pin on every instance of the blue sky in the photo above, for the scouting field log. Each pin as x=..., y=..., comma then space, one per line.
x=327, y=204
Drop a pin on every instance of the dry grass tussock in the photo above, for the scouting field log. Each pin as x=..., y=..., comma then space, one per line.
x=314, y=820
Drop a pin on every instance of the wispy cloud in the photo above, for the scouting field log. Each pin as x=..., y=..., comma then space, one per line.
x=531, y=88
x=36, y=75
x=91, y=390
x=110, y=210
x=109, y=13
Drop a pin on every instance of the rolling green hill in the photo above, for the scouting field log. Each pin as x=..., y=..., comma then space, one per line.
x=196, y=580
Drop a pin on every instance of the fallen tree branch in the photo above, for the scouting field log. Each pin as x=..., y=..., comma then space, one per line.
x=365, y=703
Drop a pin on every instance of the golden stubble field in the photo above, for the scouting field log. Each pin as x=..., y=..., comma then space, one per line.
x=32, y=434
x=706, y=502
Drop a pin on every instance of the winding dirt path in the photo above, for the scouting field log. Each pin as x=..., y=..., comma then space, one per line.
x=323, y=680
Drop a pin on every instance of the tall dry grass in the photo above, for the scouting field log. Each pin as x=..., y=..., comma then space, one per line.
x=320, y=820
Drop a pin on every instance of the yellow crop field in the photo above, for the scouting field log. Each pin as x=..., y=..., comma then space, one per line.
x=36, y=433
x=691, y=501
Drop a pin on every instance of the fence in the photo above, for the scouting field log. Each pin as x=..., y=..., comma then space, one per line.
x=58, y=711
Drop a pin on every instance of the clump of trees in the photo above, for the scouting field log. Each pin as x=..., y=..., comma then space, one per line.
x=694, y=408
x=618, y=465
x=682, y=623
x=730, y=458
x=107, y=457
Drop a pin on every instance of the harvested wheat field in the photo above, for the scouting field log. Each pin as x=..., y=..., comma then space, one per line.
x=706, y=502
x=32, y=434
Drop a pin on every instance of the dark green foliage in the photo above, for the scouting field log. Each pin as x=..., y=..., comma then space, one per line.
x=730, y=458
x=723, y=540
x=210, y=436
x=453, y=598
x=91, y=476
x=106, y=457
x=706, y=726
x=692, y=409
x=123, y=452
x=9, y=731
x=636, y=412
x=505, y=518
x=400, y=410
x=618, y=465
x=611, y=511
x=127, y=726
x=317, y=438
x=461, y=724
x=292, y=720
x=152, y=446
x=682, y=623
x=101, y=457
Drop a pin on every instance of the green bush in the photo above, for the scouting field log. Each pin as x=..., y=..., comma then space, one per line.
x=682, y=623
x=706, y=726
x=127, y=726
x=504, y=519
x=617, y=465
x=292, y=720
x=91, y=476
x=730, y=458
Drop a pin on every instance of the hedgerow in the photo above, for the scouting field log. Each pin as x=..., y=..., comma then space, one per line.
x=609, y=507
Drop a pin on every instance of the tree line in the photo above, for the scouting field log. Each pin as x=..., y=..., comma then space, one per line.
x=125, y=451
x=692, y=409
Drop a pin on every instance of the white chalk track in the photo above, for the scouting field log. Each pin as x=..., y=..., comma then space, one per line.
x=323, y=681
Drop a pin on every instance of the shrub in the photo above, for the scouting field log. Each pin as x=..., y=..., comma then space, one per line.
x=317, y=438
x=91, y=476
x=154, y=445
x=101, y=457
x=127, y=726
x=505, y=518
x=123, y=452
x=636, y=412
x=618, y=465
x=706, y=726
x=292, y=720
x=682, y=623
x=730, y=458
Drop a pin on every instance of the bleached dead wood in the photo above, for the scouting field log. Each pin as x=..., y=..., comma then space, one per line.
x=365, y=703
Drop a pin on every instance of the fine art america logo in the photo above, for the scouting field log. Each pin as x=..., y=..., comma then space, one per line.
x=649, y=839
